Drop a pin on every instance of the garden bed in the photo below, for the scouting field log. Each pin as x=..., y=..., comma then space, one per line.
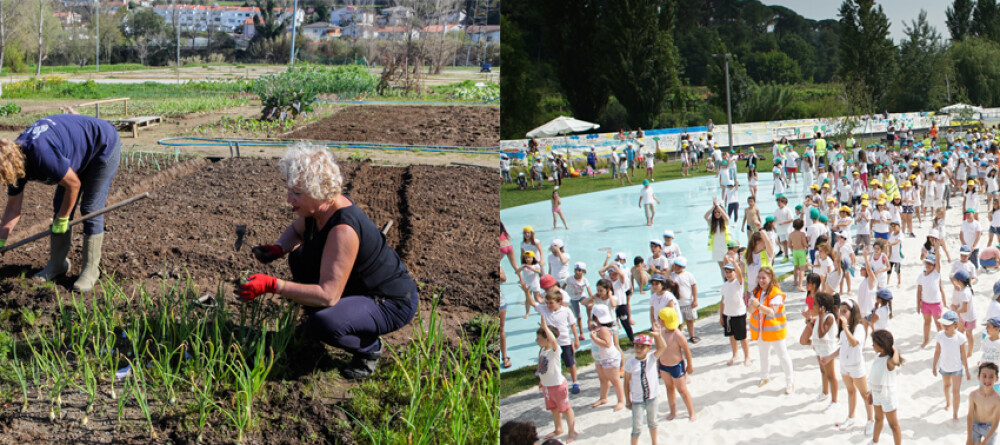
x=463, y=126
x=180, y=243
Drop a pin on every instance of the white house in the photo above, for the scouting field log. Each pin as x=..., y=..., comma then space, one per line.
x=488, y=33
x=396, y=16
x=321, y=31
x=351, y=14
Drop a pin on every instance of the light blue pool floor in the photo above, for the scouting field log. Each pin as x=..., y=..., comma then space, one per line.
x=612, y=218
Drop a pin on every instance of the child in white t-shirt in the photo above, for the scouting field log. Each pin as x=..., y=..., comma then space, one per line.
x=950, y=359
x=551, y=381
x=895, y=252
x=576, y=285
x=994, y=222
x=641, y=381
x=991, y=344
x=733, y=311
x=883, y=310
x=562, y=320
x=961, y=302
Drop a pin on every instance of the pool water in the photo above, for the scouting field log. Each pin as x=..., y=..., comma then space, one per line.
x=612, y=219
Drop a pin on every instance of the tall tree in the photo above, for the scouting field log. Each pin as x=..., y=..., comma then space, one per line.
x=574, y=30
x=518, y=98
x=958, y=17
x=920, y=84
x=739, y=82
x=977, y=70
x=985, y=20
x=642, y=67
x=866, y=53
x=9, y=14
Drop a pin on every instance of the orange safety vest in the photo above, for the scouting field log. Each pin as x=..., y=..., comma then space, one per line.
x=773, y=328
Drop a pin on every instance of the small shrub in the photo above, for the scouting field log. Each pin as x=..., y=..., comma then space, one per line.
x=10, y=109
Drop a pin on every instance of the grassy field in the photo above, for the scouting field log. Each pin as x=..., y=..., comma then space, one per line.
x=511, y=196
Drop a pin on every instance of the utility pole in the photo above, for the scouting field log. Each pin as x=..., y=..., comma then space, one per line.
x=291, y=51
x=729, y=104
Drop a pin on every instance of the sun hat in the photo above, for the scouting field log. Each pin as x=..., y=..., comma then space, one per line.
x=668, y=233
x=949, y=318
x=602, y=314
x=884, y=294
x=643, y=339
x=556, y=243
x=680, y=261
x=547, y=281
x=668, y=316
x=580, y=265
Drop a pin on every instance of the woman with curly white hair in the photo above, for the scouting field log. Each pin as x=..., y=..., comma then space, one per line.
x=352, y=284
x=81, y=154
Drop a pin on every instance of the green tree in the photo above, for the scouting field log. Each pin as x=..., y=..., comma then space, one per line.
x=739, y=82
x=642, y=67
x=985, y=20
x=142, y=23
x=920, y=83
x=866, y=53
x=773, y=67
x=959, y=19
x=977, y=70
x=518, y=98
x=322, y=12
x=801, y=51
x=575, y=45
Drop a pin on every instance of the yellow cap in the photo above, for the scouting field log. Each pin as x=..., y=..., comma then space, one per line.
x=857, y=174
x=826, y=186
x=972, y=182
x=864, y=196
x=528, y=229
x=669, y=317
x=830, y=199
x=937, y=164
x=896, y=196
x=913, y=176
x=864, y=202
x=845, y=209
x=814, y=187
x=914, y=164
x=905, y=184
x=881, y=201
x=530, y=253
x=874, y=182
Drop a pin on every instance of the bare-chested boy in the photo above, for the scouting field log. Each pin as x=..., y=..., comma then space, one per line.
x=984, y=407
x=799, y=243
x=675, y=363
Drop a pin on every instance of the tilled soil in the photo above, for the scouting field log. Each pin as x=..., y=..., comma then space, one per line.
x=445, y=222
x=463, y=126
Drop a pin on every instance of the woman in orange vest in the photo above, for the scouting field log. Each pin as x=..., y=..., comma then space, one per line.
x=767, y=324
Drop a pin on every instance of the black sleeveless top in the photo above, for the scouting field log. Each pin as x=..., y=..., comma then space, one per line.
x=377, y=270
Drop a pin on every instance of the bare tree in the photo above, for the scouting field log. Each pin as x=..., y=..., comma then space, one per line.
x=41, y=35
x=9, y=13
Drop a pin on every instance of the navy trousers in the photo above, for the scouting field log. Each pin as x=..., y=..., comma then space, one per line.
x=355, y=322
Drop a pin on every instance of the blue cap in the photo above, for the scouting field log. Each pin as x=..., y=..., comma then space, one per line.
x=996, y=288
x=964, y=250
x=994, y=321
x=658, y=277
x=884, y=294
x=962, y=275
x=949, y=318
x=681, y=261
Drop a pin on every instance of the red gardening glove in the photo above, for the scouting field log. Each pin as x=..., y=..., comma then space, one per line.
x=257, y=285
x=267, y=253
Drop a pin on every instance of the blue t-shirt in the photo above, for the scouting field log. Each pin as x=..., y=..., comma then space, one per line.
x=629, y=153
x=60, y=142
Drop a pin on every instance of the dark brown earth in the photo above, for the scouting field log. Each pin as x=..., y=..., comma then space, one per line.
x=466, y=126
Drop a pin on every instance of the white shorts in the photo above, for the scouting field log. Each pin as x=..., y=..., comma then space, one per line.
x=782, y=237
x=856, y=371
x=888, y=402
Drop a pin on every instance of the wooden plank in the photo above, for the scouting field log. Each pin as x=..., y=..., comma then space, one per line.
x=102, y=101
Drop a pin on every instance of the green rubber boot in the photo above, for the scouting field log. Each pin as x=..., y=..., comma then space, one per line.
x=58, y=264
x=91, y=262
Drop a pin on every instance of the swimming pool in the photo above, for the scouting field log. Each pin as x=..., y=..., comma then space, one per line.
x=612, y=218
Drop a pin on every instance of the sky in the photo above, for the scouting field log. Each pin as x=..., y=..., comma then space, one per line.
x=900, y=12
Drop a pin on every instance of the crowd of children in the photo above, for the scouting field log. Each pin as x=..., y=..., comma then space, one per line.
x=859, y=205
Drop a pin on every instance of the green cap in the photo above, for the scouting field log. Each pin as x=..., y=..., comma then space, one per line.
x=823, y=218
x=645, y=182
x=970, y=210
x=768, y=219
x=732, y=243
x=798, y=207
x=814, y=213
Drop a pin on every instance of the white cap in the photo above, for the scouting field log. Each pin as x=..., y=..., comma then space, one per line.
x=934, y=234
x=556, y=243
x=656, y=241
x=602, y=314
x=580, y=265
x=621, y=256
x=668, y=233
